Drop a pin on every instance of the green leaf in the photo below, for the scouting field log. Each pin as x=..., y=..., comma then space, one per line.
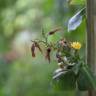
x=77, y=2
x=76, y=20
x=54, y=38
x=76, y=68
x=86, y=80
x=65, y=81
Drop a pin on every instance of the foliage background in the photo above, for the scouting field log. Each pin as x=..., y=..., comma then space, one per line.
x=22, y=21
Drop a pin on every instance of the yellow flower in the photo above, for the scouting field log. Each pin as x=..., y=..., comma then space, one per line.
x=76, y=45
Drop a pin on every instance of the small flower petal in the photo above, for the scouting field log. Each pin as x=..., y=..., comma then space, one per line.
x=76, y=45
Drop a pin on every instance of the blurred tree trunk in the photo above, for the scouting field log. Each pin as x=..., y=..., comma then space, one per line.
x=91, y=38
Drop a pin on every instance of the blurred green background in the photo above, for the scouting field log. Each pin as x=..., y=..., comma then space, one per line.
x=20, y=22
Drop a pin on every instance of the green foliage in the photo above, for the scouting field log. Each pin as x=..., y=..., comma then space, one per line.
x=25, y=77
x=72, y=68
x=86, y=80
x=64, y=80
x=6, y=3
x=80, y=76
x=77, y=2
x=31, y=79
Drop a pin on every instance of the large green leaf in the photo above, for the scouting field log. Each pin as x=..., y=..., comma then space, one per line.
x=76, y=20
x=86, y=79
x=64, y=80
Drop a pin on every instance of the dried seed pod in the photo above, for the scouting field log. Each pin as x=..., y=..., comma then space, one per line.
x=48, y=54
x=54, y=31
x=33, y=49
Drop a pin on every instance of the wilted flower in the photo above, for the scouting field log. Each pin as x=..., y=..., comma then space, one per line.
x=33, y=49
x=76, y=45
x=48, y=54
